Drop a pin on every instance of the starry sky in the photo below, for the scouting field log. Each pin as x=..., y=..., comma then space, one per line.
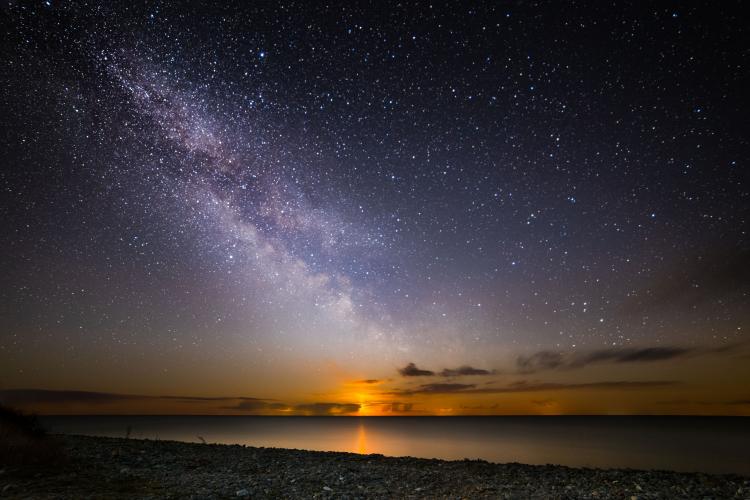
x=375, y=208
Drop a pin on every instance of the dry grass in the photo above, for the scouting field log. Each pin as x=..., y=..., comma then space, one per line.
x=23, y=441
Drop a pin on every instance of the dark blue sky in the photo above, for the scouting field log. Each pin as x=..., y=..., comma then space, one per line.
x=276, y=184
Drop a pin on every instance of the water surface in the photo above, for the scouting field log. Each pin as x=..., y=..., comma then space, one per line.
x=696, y=444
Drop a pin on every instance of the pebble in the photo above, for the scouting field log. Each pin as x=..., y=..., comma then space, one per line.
x=184, y=470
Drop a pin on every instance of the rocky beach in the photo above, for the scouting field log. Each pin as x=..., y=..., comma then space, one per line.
x=94, y=467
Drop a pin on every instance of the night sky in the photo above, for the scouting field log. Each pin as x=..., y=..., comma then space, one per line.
x=372, y=208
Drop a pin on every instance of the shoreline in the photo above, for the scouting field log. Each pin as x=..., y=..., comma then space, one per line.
x=103, y=467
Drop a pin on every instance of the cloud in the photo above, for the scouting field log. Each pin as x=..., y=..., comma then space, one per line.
x=481, y=407
x=26, y=396
x=204, y=398
x=464, y=370
x=369, y=381
x=44, y=396
x=524, y=386
x=327, y=408
x=682, y=402
x=258, y=405
x=543, y=402
x=21, y=397
x=721, y=272
x=411, y=370
x=550, y=360
x=396, y=407
x=444, y=388
x=542, y=360
x=634, y=355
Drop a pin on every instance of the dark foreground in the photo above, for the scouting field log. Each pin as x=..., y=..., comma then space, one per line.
x=121, y=468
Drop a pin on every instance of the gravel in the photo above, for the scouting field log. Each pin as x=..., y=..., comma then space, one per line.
x=128, y=468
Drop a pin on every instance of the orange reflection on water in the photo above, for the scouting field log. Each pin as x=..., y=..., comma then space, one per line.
x=361, y=439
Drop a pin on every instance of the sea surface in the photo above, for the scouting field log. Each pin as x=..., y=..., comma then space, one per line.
x=692, y=444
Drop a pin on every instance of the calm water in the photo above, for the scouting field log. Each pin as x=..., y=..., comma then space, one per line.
x=706, y=444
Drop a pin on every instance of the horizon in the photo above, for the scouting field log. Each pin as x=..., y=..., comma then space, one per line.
x=405, y=415
x=422, y=210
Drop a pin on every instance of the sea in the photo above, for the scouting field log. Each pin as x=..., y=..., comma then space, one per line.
x=717, y=445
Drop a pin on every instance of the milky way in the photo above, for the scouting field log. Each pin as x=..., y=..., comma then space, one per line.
x=285, y=185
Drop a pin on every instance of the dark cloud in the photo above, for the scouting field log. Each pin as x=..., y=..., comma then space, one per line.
x=327, y=408
x=369, y=381
x=683, y=402
x=634, y=355
x=543, y=402
x=26, y=396
x=258, y=405
x=550, y=360
x=524, y=386
x=44, y=396
x=444, y=388
x=19, y=397
x=464, y=370
x=678, y=402
x=411, y=370
x=396, y=407
x=542, y=360
x=697, y=280
x=204, y=398
x=481, y=407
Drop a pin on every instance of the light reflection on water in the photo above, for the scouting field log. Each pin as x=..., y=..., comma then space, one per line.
x=707, y=444
x=361, y=439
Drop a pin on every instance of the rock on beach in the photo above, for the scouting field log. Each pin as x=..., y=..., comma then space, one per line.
x=95, y=467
